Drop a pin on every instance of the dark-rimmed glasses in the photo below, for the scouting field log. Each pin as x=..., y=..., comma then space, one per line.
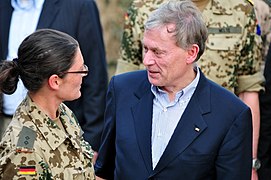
x=82, y=72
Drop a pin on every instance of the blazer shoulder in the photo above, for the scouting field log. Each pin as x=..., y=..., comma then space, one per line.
x=131, y=80
x=78, y=3
x=132, y=77
x=91, y=2
x=225, y=96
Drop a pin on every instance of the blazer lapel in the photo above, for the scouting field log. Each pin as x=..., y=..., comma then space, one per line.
x=142, y=115
x=48, y=13
x=5, y=19
x=190, y=126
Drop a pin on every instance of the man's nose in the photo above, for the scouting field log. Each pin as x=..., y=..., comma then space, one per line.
x=148, y=58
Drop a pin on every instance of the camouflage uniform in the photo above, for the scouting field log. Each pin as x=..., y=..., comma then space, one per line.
x=34, y=147
x=263, y=12
x=233, y=52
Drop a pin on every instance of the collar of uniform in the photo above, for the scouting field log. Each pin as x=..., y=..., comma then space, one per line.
x=220, y=7
x=50, y=131
x=71, y=124
x=27, y=4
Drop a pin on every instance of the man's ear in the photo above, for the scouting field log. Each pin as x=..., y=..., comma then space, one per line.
x=54, y=82
x=192, y=54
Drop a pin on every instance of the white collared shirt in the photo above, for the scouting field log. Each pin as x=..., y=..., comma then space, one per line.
x=166, y=116
x=24, y=21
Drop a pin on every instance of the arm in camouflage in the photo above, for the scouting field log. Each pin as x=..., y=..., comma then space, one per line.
x=131, y=47
x=21, y=161
x=263, y=13
x=249, y=71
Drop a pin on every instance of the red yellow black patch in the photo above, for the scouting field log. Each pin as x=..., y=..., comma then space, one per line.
x=27, y=170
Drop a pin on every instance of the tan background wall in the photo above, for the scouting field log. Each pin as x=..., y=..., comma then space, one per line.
x=112, y=16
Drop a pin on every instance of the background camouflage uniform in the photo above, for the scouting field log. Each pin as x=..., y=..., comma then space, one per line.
x=34, y=140
x=263, y=12
x=233, y=54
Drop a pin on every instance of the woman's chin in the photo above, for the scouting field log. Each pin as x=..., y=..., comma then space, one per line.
x=76, y=96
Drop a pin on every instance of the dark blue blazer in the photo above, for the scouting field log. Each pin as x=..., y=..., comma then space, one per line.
x=80, y=19
x=213, y=139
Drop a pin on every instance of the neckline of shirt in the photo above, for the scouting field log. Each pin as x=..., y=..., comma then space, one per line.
x=184, y=94
x=27, y=5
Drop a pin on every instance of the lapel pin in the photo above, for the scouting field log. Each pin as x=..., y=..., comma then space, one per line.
x=197, y=129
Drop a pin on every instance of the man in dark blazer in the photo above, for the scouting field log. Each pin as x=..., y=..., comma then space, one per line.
x=170, y=122
x=80, y=19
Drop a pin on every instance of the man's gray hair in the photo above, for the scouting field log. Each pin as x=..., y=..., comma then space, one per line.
x=189, y=24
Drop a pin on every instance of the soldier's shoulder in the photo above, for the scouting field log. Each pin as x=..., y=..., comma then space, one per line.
x=18, y=140
x=27, y=137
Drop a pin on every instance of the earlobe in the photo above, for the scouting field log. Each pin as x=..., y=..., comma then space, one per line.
x=53, y=82
x=192, y=54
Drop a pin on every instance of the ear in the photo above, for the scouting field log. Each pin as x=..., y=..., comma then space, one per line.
x=192, y=54
x=54, y=82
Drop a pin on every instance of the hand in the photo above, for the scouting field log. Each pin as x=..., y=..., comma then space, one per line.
x=98, y=178
x=94, y=157
x=254, y=175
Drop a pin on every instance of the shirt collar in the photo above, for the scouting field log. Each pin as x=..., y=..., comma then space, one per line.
x=27, y=5
x=189, y=90
x=185, y=92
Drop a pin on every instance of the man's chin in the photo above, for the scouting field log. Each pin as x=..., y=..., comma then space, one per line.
x=153, y=81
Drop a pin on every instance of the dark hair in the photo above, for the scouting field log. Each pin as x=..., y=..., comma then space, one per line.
x=40, y=55
x=190, y=27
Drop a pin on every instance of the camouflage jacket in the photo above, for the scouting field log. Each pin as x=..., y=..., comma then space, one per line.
x=233, y=52
x=34, y=147
x=263, y=13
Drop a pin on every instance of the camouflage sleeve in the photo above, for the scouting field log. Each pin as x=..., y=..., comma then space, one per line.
x=23, y=165
x=131, y=44
x=250, y=76
x=263, y=14
x=131, y=48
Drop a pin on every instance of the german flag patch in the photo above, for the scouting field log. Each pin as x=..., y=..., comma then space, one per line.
x=27, y=170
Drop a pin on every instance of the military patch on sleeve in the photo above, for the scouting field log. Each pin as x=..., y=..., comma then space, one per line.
x=26, y=140
x=27, y=170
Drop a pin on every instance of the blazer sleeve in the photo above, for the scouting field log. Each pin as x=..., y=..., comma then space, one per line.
x=94, y=87
x=234, y=160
